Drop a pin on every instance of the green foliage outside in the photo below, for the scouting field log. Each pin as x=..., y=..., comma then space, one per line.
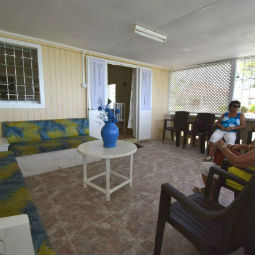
x=244, y=109
x=252, y=108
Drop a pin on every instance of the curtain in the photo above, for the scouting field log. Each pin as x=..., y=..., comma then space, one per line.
x=131, y=118
x=98, y=71
x=146, y=89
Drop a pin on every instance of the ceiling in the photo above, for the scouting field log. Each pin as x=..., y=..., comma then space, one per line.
x=199, y=31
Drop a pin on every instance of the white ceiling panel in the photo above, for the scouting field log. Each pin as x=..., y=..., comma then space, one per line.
x=239, y=15
x=204, y=3
x=197, y=30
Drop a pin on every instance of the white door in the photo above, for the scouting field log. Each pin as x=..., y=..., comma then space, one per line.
x=97, y=92
x=144, y=103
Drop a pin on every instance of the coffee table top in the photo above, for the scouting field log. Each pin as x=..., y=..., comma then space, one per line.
x=96, y=149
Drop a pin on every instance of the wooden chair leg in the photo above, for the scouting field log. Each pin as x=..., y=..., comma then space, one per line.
x=177, y=133
x=163, y=137
x=193, y=140
x=159, y=236
x=164, y=211
x=202, y=144
x=184, y=140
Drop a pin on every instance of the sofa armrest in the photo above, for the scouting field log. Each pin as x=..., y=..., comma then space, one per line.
x=15, y=235
x=4, y=144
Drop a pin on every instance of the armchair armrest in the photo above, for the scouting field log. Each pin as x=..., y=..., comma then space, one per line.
x=167, y=120
x=226, y=164
x=197, y=210
x=15, y=235
x=223, y=175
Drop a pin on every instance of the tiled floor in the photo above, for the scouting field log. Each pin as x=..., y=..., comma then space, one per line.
x=80, y=221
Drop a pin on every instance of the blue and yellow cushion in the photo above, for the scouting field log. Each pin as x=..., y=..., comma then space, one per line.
x=27, y=131
x=28, y=148
x=15, y=199
x=21, y=131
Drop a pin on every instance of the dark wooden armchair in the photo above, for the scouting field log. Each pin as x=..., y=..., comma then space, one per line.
x=212, y=228
x=180, y=121
x=201, y=127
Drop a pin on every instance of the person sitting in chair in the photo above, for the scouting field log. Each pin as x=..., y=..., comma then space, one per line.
x=244, y=160
x=227, y=127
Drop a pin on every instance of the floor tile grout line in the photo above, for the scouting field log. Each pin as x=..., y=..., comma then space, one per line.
x=127, y=232
x=111, y=215
x=55, y=210
x=122, y=227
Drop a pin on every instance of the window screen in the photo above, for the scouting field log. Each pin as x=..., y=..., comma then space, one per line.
x=204, y=88
x=19, y=78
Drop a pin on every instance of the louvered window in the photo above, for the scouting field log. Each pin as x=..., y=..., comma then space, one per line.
x=20, y=72
x=203, y=88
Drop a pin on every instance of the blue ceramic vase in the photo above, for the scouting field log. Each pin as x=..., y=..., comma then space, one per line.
x=110, y=134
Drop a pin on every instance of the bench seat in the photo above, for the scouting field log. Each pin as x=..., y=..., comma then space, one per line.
x=15, y=199
x=33, y=147
x=38, y=136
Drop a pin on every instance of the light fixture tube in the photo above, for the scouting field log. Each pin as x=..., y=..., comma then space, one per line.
x=150, y=34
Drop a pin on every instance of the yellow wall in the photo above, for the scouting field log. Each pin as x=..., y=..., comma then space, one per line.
x=64, y=97
x=159, y=101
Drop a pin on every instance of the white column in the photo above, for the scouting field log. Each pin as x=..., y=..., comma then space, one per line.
x=85, y=178
x=107, y=161
x=131, y=171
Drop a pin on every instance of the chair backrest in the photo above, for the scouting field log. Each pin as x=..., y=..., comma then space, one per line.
x=240, y=219
x=180, y=117
x=121, y=107
x=203, y=122
x=207, y=118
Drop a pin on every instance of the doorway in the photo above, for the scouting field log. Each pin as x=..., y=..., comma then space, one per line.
x=138, y=114
x=119, y=92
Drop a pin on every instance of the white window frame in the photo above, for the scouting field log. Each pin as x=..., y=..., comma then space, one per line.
x=28, y=104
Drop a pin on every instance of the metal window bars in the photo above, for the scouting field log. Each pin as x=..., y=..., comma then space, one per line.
x=19, y=79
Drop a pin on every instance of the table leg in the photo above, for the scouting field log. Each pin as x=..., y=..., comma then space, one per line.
x=131, y=171
x=107, y=179
x=85, y=178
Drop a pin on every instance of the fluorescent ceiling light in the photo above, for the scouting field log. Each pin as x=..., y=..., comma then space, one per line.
x=150, y=34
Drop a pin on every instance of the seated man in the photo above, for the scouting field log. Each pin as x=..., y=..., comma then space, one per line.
x=244, y=160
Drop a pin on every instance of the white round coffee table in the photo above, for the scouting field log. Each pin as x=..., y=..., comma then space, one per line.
x=95, y=149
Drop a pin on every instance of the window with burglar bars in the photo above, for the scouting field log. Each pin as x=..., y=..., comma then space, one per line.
x=204, y=88
x=19, y=74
